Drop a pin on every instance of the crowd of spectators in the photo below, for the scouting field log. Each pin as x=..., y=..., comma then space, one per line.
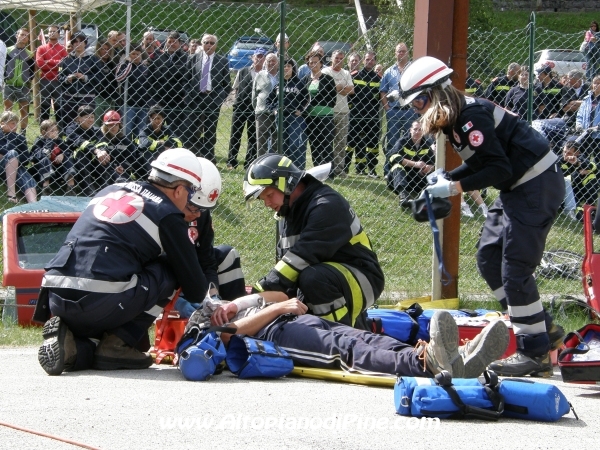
x=116, y=110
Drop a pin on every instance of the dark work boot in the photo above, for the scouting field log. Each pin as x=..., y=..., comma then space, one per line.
x=114, y=354
x=520, y=365
x=59, y=351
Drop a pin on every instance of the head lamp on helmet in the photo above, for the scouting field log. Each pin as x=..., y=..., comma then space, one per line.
x=423, y=74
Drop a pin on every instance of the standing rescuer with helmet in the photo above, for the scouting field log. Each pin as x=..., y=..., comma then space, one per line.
x=502, y=151
x=318, y=230
x=121, y=263
x=220, y=264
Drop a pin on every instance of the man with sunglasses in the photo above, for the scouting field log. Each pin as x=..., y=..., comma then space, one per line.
x=209, y=85
x=119, y=266
x=220, y=264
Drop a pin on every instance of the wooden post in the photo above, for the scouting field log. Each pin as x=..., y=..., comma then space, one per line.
x=441, y=31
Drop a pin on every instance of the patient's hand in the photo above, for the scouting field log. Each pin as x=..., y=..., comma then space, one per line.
x=223, y=314
x=293, y=306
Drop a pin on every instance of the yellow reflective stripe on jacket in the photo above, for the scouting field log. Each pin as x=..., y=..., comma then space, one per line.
x=336, y=315
x=153, y=145
x=589, y=177
x=287, y=271
x=502, y=88
x=258, y=287
x=553, y=91
x=365, y=83
x=415, y=153
x=356, y=291
x=361, y=238
x=82, y=147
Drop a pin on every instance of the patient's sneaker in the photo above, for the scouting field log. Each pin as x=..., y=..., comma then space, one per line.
x=114, y=354
x=59, y=351
x=520, y=365
x=441, y=353
x=485, y=348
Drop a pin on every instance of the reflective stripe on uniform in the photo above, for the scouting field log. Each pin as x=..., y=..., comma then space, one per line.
x=415, y=153
x=296, y=261
x=88, y=284
x=361, y=238
x=355, y=288
x=367, y=83
x=287, y=271
x=288, y=241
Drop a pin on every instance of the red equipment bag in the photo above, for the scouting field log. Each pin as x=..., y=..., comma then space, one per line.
x=591, y=264
x=579, y=362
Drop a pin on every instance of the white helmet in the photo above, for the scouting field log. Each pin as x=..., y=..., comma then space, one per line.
x=177, y=164
x=423, y=73
x=211, y=186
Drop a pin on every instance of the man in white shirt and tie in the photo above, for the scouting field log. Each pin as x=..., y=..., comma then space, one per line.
x=209, y=85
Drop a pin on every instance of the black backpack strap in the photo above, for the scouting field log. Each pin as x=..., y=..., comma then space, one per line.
x=444, y=379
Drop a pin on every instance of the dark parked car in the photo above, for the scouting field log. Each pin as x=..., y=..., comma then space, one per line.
x=242, y=50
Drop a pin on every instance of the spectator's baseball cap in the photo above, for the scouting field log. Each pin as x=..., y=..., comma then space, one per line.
x=85, y=110
x=79, y=36
x=260, y=51
x=546, y=68
x=111, y=118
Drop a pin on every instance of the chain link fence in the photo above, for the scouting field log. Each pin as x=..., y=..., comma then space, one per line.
x=161, y=69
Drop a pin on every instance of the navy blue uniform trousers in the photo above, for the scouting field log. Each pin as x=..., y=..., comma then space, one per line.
x=510, y=248
x=315, y=342
x=127, y=314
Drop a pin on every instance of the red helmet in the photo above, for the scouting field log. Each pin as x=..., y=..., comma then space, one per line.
x=111, y=117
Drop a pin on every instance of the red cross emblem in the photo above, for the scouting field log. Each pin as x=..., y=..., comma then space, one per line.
x=119, y=207
x=476, y=138
x=214, y=194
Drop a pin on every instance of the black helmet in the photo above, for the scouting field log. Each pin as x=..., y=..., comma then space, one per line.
x=274, y=170
x=441, y=208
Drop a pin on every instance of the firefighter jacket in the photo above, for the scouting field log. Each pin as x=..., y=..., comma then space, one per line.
x=321, y=227
x=365, y=101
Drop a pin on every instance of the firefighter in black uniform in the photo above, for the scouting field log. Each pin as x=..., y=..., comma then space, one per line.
x=114, y=158
x=80, y=138
x=364, y=128
x=220, y=264
x=318, y=230
x=500, y=150
x=499, y=87
x=582, y=170
x=548, y=94
x=122, y=261
x=473, y=87
x=412, y=161
x=155, y=138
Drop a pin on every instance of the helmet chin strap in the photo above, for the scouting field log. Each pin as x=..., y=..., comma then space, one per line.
x=285, y=208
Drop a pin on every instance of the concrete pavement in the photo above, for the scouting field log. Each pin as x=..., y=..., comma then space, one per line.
x=158, y=409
